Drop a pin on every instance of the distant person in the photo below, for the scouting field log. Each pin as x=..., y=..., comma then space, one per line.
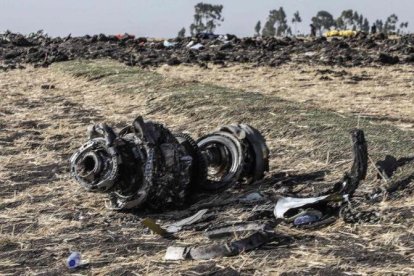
x=313, y=30
x=374, y=29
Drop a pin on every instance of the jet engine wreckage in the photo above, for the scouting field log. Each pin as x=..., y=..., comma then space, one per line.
x=145, y=165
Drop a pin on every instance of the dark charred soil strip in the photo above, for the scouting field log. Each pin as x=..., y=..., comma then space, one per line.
x=41, y=50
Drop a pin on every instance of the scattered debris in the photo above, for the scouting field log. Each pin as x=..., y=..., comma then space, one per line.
x=145, y=164
x=172, y=166
x=123, y=37
x=177, y=226
x=41, y=50
x=47, y=86
x=341, y=33
x=351, y=180
x=234, y=153
x=388, y=59
x=286, y=206
x=154, y=227
x=197, y=46
x=168, y=44
x=238, y=229
x=311, y=210
x=309, y=217
x=219, y=250
x=207, y=36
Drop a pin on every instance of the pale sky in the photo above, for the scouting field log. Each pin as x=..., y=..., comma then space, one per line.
x=164, y=18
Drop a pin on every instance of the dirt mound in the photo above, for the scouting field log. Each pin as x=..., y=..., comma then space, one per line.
x=41, y=50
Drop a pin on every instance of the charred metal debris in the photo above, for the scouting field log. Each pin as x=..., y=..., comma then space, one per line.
x=146, y=166
x=41, y=50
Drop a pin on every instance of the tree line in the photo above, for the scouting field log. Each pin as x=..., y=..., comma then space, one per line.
x=207, y=17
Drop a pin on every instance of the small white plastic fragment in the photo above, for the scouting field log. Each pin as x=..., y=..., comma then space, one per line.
x=175, y=253
x=286, y=203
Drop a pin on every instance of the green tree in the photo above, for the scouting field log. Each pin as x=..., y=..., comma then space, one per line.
x=355, y=21
x=365, y=26
x=361, y=21
x=391, y=24
x=403, y=25
x=181, y=33
x=345, y=20
x=380, y=25
x=278, y=18
x=296, y=20
x=206, y=18
x=269, y=27
x=350, y=19
x=257, y=28
x=282, y=28
x=323, y=21
x=340, y=23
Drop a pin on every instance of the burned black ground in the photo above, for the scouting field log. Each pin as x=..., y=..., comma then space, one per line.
x=40, y=50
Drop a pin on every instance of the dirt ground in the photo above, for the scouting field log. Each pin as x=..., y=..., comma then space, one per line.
x=305, y=114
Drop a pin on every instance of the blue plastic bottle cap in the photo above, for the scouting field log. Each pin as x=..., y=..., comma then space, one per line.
x=73, y=260
x=72, y=263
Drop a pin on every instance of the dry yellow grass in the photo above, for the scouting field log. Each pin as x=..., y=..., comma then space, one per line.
x=383, y=92
x=44, y=214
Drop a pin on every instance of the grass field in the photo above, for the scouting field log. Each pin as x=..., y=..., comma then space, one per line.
x=304, y=112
